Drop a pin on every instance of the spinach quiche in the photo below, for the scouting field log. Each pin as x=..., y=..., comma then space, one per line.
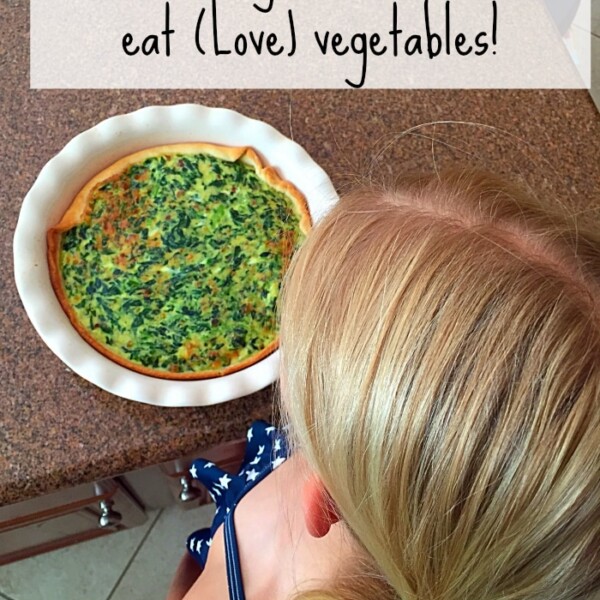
x=169, y=261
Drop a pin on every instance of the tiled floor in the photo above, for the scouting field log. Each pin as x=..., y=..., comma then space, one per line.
x=136, y=564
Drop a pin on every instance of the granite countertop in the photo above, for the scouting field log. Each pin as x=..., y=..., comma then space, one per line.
x=58, y=430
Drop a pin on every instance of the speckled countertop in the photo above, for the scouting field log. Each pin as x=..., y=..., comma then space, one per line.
x=56, y=429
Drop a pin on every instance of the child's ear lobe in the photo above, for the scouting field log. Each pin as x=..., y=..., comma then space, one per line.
x=319, y=509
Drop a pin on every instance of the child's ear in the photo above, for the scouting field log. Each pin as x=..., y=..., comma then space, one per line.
x=319, y=509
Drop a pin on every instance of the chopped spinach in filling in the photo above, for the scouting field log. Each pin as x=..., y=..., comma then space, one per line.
x=177, y=264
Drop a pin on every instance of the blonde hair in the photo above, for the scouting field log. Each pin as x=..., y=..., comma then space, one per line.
x=441, y=351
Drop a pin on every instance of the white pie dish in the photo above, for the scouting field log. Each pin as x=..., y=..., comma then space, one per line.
x=89, y=153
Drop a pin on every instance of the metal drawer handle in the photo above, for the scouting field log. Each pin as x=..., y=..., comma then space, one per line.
x=188, y=492
x=108, y=516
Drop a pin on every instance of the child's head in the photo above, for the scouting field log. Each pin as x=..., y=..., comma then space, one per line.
x=441, y=354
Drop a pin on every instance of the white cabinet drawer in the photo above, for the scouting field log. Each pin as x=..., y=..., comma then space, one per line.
x=65, y=518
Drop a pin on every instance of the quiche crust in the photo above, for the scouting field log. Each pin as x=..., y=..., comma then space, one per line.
x=80, y=207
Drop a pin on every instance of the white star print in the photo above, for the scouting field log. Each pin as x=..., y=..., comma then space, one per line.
x=212, y=496
x=209, y=542
x=255, y=461
x=269, y=429
x=217, y=510
x=250, y=434
x=261, y=449
x=251, y=475
x=193, y=472
x=192, y=543
x=228, y=510
x=198, y=545
x=277, y=445
x=208, y=465
x=224, y=481
x=278, y=461
x=216, y=490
